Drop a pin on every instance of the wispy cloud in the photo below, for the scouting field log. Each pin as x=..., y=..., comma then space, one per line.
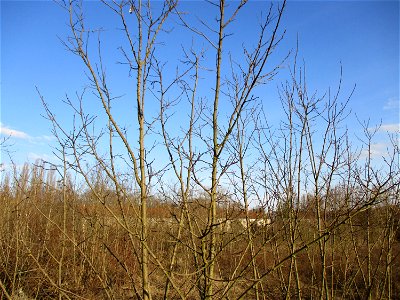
x=391, y=104
x=4, y=130
x=48, y=138
x=42, y=139
x=376, y=150
x=391, y=128
x=32, y=157
x=7, y=131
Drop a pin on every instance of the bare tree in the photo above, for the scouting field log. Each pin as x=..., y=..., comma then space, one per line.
x=188, y=236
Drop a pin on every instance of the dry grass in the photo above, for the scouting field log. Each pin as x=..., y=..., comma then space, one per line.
x=100, y=249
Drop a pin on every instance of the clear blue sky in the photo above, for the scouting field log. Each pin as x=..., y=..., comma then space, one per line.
x=361, y=35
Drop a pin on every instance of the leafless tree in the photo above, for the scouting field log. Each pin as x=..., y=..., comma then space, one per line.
x=303, y=175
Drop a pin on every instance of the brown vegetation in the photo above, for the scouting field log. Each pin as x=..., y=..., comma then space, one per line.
x=94, y=256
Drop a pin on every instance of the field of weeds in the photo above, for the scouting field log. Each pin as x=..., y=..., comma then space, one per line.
x=62, y=243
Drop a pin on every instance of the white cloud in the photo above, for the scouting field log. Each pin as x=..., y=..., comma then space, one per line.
x=4, y=130
x=391, y=104
x=376, y=150
x=7, y=131
x=42, y=139
x=391, y=128
x=32, y=157
x=48, y=138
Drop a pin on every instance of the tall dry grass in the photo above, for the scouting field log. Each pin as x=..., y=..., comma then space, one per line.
x=95, y=255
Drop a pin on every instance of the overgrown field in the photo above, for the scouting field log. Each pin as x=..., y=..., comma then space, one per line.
x=64, y=243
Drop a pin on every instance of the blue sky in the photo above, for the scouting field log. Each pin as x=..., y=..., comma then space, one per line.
x=362, y=36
